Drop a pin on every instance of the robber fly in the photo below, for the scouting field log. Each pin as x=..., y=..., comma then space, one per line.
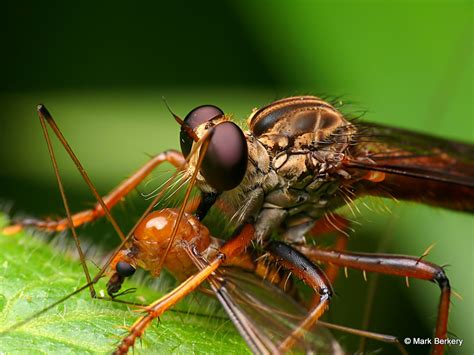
x=300, y=160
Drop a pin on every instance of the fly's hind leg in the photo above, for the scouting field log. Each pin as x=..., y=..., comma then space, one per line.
x=400, y=265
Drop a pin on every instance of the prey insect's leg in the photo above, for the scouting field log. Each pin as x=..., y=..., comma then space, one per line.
x=66, y=207
x=45, y=116
x=230, y=249
x=304, y=269
x=400, y=265
x=103, y=205
x=111, y=199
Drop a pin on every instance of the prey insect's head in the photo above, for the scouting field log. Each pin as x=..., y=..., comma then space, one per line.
x=225, y=161
x=123, y=265
x=125, y=269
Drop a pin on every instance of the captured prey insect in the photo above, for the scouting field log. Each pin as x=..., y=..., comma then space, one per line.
x=298, y=162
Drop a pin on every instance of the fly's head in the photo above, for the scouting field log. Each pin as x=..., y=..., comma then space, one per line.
x=303, y=135
x=225, y=160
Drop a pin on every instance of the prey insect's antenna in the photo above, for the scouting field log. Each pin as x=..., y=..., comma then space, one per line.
x=46, y=116
x=201, y=147
x=65, y=203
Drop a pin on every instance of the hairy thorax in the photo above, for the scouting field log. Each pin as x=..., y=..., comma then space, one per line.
x=296, y=147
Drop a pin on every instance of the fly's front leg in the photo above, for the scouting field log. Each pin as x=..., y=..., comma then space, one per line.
x=400, y=265
x=111, y=199
x=305, y=270
x=330, y=223
x=207, y=201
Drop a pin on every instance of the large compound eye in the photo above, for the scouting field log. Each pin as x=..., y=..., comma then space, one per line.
x=225, y=162
x=196, y=117
x=124, y=269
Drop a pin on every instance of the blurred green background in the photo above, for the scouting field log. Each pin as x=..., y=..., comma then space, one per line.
x=102, y=68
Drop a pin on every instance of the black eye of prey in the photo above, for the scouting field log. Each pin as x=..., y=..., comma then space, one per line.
x=196, y=117
x=225, y=162
x=124, y=269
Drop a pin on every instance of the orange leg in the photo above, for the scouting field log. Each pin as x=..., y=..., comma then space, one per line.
x=172, y=156
x=230, y=249
x=399, y=265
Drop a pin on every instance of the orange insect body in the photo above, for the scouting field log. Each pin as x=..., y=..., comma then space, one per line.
x=152, y=236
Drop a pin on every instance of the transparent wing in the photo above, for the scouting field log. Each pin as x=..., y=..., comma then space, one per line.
x=265, y=315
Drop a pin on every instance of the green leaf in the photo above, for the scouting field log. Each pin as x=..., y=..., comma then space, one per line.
x=34, y=274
